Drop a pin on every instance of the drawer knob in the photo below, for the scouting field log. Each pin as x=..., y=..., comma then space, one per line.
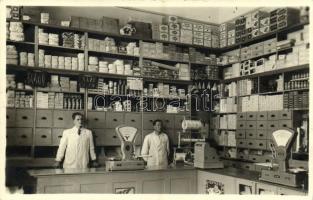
x=132, y=120
x=272, y=115
x=284, y=115
x=261, y=135
x=261, y=144
x=43, y=136
x=24, y=117
x=272, y=125
x=250, y=143
x=8, y=117
x=167, y=121
x=115, y=120
x=60, y=136
x=60, y=118
x=43, y=118
x=96, y=119
x=250, y=116
x=250, y=134
x=284, y=125
x=261, y=125
x=114, y=136
x=23, y=136
x=261, y=116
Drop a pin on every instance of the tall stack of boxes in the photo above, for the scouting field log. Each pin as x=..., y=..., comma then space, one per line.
x=198, y=34
x=287, y=17
x=224, y=28
x=240, y=27
x=186, y=33
x=256, y=18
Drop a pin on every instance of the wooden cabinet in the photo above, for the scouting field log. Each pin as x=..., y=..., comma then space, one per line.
x=96, y=119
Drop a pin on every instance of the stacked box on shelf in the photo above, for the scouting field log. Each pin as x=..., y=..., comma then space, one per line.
x=256, y=19
x=224, y=28
x=287, y=17
x=163, y=32
x=257, y=49
x=240, y=27
x=198, y=34
x=247, y=67
x=186, y=32
x=174, y=34
x=207, y=35
x=270, y=46
x=215, y=36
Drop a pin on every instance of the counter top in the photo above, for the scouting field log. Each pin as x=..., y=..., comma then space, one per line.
x=49, y=172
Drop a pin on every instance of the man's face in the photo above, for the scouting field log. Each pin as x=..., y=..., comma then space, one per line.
x=78, y=121
x=157, y=127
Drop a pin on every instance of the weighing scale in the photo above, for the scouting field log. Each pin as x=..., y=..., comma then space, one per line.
x=282, y=140
x=127, y=136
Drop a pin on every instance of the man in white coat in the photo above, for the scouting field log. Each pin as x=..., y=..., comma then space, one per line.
x=76, y=144
x=155, y=148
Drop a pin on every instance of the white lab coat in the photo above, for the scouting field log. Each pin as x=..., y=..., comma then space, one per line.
x=157, y=147
x=76, y=148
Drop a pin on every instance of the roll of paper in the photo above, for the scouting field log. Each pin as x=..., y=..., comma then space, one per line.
x=191, y=124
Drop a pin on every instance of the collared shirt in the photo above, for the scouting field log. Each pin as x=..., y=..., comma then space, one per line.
x=76, y=148
x=156, y=146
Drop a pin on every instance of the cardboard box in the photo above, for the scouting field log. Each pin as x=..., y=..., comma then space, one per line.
x=223, y=35
x=186, y=26
x=174, y=33
x=163, y=28
x=231, y=33
x=197, y=41
x=110, y=25
x=255, y=33
x=197, y=34
x=174, y=38
x=257, y=15
x=207, y=28
x=170, y=19
x=226, y=26
x=198, y=27
x=265, y=22
x=174, y=26
x=164, y=36
x=207, y=43
x=231, y=41
x=264, y=30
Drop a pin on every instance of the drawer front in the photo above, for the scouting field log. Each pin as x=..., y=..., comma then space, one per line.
x=241, y=125
x=63, y=119
x=261, y=125
x=272, y=125
x=241, y=143
x=178, y=121
x=260, y=144
x=261, y=134
x=24, y=118
x=148, y=120
x=240, y=134
x=114, y=119
x=251, y=134
x=96, y=120
x=43, y=137
x=106, y=137
x=241, y=116
x=248, y=166
x=251, y=144
x=273, y=115
x=251, y=125
x=56, y=136
x=133, y=120
x=20, y=136
x=242, y=156
x=285, y=124
x=168, y=121
x=285, y=115
x=44, y=118
x=251, y=116
x=10, y=116
x=262, y=116
x=255, y=158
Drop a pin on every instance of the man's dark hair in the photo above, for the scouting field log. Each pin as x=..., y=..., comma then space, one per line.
x=76, y=114
x=157, y=120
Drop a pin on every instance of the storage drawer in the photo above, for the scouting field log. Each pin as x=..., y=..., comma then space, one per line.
x=285, y=124
x=273, y=115
x=250, y=125
x=148, y=120
x=260, y=144
x=251, y=144
x=133, y=119
x=241, y=125
x=261, y=125
x=255, y=158
x=248, y=166
x=261, y=134
x=44, y=118
x=24, y=117
x=168, y=121
x=243, y=156
x=251, y=116
x=96, y=120
x=241, y=143
x=56, y=136
x=241, y=116
x=20, y=136
x=10, y=117
x=285, y=115
x=251, y=134
x=262, y=116
x=114, y=119
x=63, y=119
x=106, y=137
x=272, y=125
x=240, y=134
x=43, y=137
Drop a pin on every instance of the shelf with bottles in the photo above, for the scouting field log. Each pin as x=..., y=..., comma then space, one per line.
x=296, y=80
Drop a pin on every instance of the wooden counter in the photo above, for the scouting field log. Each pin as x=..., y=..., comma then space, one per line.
x=175, y=180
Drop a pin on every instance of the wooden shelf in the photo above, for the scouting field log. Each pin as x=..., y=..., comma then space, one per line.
x=266, y=93
x=183, y=82
x=300, y=79
x=59, y=47
x=164, y=59
x=20, y=42
x=225, y=113
x=59, y=91
x=20, y=90
x=113, y=54
x=269, y=73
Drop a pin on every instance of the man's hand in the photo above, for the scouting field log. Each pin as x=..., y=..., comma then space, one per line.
x=57, y=165
x=94, y=164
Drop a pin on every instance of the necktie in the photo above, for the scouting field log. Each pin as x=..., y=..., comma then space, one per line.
x=79, y=131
